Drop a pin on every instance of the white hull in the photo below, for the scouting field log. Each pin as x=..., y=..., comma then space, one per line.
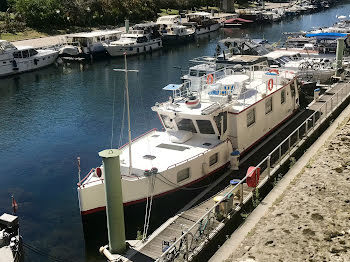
x=42, y=59
x=119, y=50
x=208, y=29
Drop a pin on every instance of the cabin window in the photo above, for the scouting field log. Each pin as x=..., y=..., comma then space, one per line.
x=202, y=73
x=218, y=121
x=186, y=125
x=130, y=48
x=17, y=54
x=251, y=117
x=33, y=52
x=205, y=127
x=213, y=159
x=183, y=174
x=193, y=73
x=167, y=121
x=158, y=43
x=283, y=96
x=268, y=105
x=25, y=54
x=4, y=62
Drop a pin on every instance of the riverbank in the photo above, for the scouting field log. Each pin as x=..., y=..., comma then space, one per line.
x=309, y=220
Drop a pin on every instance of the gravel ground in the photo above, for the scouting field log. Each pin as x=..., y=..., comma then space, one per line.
x=311, y=220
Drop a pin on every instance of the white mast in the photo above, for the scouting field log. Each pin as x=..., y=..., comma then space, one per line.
x=127, y=105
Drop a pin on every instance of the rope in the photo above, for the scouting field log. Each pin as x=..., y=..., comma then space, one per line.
x=47, y=255
x=151, y=183
x=113, y=115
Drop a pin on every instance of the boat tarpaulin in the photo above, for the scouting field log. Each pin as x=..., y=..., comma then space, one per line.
x=237, y=20
x=327, y=35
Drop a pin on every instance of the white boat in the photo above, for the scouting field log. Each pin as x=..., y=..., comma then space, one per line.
x=11, y=249
x=143, y=38
x=176, y=34
x=202, y=21
x=86, y=44
x=234, y=112
x=18, y=60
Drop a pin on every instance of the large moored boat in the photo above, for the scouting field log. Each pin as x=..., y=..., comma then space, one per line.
x=18, y=60
x=230, y=111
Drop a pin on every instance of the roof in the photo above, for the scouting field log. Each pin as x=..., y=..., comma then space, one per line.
x=327, y=35
x=239, y=20
x=172, y=87
x=95, y=33
x=200, y=13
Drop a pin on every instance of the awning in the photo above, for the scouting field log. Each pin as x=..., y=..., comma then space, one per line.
x=327, y=35
x=172, y=87
x=237, y=20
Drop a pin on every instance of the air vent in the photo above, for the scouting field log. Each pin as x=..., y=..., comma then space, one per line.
x=155, y=136
x=206, y=144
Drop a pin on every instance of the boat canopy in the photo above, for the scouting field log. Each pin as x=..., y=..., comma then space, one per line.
x=172, y=87
x=327, y=35
x=237, y=20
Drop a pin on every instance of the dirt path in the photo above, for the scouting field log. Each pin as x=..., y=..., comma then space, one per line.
x=311, y=220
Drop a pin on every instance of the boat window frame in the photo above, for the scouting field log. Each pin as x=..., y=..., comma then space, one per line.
x=214, y=159
x=283, y=96
x=270, y=108
x=200, y=126
x=180, y=177
x=253, y=119
x=192, y=129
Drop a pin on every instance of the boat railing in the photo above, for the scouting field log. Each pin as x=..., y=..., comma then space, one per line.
x=268, y=168
x=138, y=137
x=195, y=156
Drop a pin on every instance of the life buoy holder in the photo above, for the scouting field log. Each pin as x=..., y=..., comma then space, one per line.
x=270, y=84
x=210, y=79
x=274, y=71
x=98, y=172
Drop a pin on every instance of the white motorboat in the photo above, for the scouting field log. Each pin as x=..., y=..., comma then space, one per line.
x=175, y=34
x=11, y=249
x=143, y=38
x=202, y=21
x=18, y=60
x=234, y=111
x=86, y=44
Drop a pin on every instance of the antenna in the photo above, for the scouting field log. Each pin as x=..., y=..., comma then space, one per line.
x=127, y=104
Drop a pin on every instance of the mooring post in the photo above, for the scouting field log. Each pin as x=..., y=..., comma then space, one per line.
x=339, y=55
x=127, y=25
x=114, y=200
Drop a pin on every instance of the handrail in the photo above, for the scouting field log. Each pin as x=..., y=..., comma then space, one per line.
x=186, y=160
x=81, y=181
x=268, y=158
x=138, y=137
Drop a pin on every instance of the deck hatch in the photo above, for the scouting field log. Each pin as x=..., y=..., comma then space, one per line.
x=149, y=157
x=173, y=147
x=207, y=144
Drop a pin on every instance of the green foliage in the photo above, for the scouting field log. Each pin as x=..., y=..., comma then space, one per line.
x=139, y=235
x=256, y=199
x=49, y=14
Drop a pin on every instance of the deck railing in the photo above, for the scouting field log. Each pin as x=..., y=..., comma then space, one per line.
x=196, y=236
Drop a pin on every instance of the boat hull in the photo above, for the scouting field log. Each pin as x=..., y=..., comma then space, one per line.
x=177, y=39
x=203, y=30
x=116, y=50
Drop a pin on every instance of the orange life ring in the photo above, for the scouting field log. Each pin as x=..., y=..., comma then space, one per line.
x=270, y=84
x=274, y=71
x=210, y=79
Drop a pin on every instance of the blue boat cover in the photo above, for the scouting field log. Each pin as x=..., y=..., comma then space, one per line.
x=327, y=35
x=172, y=87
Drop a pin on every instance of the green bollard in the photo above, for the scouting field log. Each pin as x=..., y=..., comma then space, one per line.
x=114, y=200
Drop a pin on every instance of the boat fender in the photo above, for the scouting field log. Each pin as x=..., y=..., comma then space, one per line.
x=98, y=172
x=14, y=64
x=253, y=175
x=210, y=79
x=270, y=84
x=36, y=61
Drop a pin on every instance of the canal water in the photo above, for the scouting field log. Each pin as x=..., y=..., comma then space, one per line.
x=51, y=116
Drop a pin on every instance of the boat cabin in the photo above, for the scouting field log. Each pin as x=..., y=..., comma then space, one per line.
x=169, y=20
